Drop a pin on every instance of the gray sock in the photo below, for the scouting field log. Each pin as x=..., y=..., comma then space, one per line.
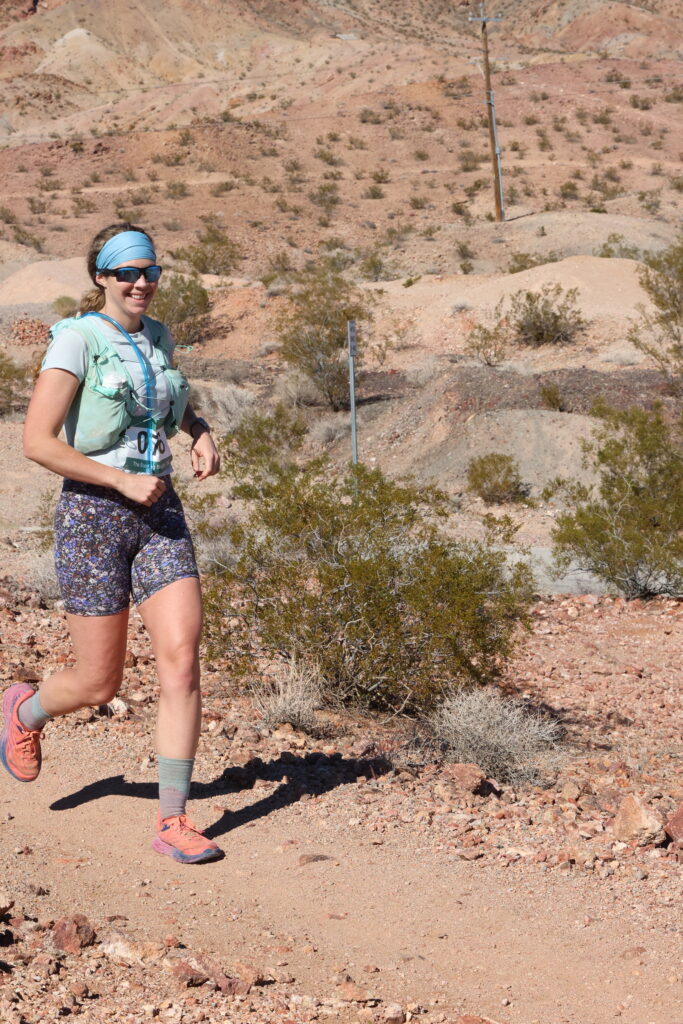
x=175, y=774
x=32, y=714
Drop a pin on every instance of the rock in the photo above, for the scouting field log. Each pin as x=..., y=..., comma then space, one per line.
x=393, y=1013
x=6, y=902
x=463, y=778
x=673, y=828
x=189, y=974
x=350, y=992
x=72, y=934
x=637, y=823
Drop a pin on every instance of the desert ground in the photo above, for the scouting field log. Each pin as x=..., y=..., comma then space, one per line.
x=363, y=880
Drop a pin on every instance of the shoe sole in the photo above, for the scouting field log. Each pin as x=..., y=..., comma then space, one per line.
x=210, y=853
x=8, y=703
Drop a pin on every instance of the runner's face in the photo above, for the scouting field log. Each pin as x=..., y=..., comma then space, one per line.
x=127, y=302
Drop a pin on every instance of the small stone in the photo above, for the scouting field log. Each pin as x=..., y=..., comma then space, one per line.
x=72, y=934
x=350, y=992
x=394, y=1013
x=188, y=974
x=637, y=823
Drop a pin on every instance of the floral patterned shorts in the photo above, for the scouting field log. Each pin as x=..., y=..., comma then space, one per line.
x=108, y=547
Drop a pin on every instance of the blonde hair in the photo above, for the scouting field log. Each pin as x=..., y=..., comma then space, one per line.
x=93, y=300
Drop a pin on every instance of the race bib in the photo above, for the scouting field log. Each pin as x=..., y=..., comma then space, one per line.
x=146, y=451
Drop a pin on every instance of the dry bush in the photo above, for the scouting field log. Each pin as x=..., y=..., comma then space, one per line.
x=292, y=695
x=39, y=575
x=330, y=429
x=294, y=389
x=224, y=404
x=508, y=740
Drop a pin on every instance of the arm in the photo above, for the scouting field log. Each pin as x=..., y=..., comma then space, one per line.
x=53, y=394
x=205, y=458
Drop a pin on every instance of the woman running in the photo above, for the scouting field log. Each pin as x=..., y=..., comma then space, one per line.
x=109, y=381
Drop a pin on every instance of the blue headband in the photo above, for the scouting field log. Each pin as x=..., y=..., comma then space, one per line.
x=127, y=245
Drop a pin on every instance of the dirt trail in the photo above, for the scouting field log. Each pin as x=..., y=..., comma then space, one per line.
x=467, y=935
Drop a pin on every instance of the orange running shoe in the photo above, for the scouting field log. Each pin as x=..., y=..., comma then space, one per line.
x=19, y=746
x=179, y=838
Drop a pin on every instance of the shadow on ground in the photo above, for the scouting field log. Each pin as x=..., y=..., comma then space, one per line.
x=311, y=775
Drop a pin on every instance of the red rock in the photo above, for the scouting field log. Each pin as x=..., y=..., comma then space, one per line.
x=637, y=823
x=464, y=778
x=674, y=826
x=189, y=974
x=72, y=934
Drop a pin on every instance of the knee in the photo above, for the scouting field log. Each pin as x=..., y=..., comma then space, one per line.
x=178, y=668
x=101, y=688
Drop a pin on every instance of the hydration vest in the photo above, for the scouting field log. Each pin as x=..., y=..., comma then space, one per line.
x=104, y=413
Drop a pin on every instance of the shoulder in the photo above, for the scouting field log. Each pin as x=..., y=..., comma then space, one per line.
x=68, y=349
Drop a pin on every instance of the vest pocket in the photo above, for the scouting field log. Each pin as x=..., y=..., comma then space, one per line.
x=180, y=396
x=101, y=423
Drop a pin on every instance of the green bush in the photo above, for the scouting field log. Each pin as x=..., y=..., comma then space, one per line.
x=214, y=253
x=628, y=528
x=660, y=333
x=495, y=478
x=548, y=317
x=352, y=575
x=312, y=329
x=182, y=303
x=65, y=306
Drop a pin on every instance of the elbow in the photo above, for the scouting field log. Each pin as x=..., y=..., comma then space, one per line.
x=31, y=448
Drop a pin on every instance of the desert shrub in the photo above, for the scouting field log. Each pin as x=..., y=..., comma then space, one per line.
x=326, y=196
x=616, y=247
x=291, y=695
x=552, y=397
x=488, y=341
x=312, y=329
x=495, y=478
x=627, y=528
x=509, y=741
x=11, y=376
x=352, y=573
x=65, y=305
x=214, y=252
x=660, y=333
x=182, y=302
x=548, y=317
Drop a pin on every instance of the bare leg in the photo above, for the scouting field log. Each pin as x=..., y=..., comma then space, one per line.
x=173, y=618
x=99, y=645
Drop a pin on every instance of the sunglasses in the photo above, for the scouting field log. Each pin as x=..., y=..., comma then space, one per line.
x=129, y=275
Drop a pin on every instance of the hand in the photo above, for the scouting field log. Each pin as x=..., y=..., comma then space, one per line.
x=205, y=458
x=141, y=488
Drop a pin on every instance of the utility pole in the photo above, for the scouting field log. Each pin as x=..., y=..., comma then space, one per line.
x=491, y=112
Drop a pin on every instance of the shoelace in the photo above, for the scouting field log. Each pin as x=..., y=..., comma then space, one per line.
x=186, y=826
x=27, y=745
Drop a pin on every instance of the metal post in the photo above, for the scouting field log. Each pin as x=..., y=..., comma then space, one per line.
x=491, y=115
x=351, y=338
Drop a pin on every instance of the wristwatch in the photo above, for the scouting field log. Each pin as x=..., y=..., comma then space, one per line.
x=198, y=421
